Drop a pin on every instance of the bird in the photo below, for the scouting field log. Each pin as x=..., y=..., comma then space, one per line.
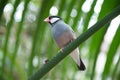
x=63, y=35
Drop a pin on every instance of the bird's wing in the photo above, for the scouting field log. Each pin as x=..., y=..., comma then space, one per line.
x=65, y=39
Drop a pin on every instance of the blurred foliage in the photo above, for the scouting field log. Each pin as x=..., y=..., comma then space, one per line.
x=26, y=42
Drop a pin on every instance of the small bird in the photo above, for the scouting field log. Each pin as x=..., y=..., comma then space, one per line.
x=63, y=35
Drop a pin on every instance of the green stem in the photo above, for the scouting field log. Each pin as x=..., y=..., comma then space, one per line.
x=20, y=27
x=115, y=69
x=44, y=10
x=9, y=26
x=62, y=54
x=2, y=6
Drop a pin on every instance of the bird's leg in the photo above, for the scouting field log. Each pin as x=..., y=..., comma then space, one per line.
x=46, y=61
x=61, y=49
x=71, y=40
x=66, y=45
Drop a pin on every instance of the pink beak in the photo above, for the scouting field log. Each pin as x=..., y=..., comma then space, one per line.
x=47, y=20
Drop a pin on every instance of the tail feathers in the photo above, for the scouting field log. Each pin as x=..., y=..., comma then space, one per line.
x=82, y=66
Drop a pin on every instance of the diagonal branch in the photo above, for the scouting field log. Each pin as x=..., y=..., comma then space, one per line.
x=61, y=55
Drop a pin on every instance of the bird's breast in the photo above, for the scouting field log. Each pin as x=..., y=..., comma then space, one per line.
x=57, y=31
x=64, y=38
x=62, y=34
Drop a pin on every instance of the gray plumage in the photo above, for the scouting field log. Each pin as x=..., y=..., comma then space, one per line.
x=63, y=35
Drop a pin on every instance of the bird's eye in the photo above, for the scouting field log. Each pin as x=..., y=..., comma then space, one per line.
x=53, y=20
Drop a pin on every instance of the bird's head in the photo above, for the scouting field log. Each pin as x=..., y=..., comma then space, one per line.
x=52, y=19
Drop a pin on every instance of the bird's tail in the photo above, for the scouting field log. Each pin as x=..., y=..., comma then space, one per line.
x=77, y=59
x=82, y=66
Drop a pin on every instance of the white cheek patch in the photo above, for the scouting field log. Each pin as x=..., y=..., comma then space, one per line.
x=54, y=20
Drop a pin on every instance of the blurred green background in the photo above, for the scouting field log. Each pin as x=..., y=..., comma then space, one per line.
x=26, y=41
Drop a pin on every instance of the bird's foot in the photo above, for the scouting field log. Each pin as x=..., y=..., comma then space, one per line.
x=61, y=50
x=46, y=61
